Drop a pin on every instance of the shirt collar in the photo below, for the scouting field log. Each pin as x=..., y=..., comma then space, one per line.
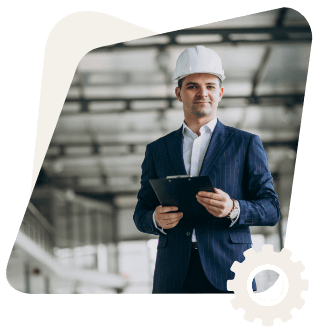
x=211, y=125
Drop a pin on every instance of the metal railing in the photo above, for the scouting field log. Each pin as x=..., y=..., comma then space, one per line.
x=36, y=227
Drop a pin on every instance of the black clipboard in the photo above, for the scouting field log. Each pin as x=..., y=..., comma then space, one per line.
x=181, y=191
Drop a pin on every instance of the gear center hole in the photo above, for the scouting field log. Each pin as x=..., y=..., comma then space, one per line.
x=285, y=284
x=272, y=284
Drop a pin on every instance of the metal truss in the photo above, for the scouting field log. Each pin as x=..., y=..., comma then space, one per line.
x=229, y=101
x=256, y=35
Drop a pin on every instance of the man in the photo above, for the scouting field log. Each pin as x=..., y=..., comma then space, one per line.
x=197, y=249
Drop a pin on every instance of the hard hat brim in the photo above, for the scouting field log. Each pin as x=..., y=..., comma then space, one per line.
x=221, y=77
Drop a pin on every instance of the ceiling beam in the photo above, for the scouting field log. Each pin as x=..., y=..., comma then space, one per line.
x=268, y=100
x=286, y=34
x=105, y=189
x=281, y=17
x=132, y=145
x=260, y=73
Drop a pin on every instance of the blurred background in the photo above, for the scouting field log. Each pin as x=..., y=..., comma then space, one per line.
x=78, y=234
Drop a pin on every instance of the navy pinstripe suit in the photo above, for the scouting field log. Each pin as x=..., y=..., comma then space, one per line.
x=237, y=164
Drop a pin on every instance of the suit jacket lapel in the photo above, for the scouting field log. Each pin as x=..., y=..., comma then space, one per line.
x=219, y=139
x=174, y=145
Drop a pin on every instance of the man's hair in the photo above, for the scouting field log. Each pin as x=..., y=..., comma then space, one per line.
x=181, y=81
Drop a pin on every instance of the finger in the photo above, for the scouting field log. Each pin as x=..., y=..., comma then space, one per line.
x=211, y=202
x=165, y=209
x=212, y=208
x=172, y=221
x=172, y=225
x=214, y=197
x=214, y=211
x=168, y=216
x=205, y=194
x=211, y=195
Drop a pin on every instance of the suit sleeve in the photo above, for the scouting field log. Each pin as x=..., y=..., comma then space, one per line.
x=260, y=206
x=147, y=200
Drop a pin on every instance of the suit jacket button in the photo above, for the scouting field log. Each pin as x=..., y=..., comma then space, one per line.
x=147, y=229
x=188, y=233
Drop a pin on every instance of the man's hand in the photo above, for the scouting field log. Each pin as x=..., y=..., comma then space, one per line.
x=167, y=220
x=218, y=204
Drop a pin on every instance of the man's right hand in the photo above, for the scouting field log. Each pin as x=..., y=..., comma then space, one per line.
x=167, y=220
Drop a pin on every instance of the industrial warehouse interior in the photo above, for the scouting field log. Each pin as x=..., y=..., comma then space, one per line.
x=78, y=234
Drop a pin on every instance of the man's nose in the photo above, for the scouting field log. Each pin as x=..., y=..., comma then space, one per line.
x=203, y=92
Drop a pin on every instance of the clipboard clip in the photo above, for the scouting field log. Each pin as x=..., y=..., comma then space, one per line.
x=177, y=176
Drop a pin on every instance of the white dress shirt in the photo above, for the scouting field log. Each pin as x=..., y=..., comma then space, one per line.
x=194, y=149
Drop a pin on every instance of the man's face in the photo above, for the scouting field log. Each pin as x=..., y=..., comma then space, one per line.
x=200, y=94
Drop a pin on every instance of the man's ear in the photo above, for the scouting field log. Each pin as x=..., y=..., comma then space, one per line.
x=221, y=93
x=177, y=91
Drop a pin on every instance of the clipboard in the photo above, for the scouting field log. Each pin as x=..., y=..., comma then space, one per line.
x=180, y=191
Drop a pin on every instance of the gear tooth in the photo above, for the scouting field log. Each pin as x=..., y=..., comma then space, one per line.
x=286, y=252
x=249, y=317
x=267, y=248
x=249, y=253
x=235, y=266
x=299, y=303
x=231, y=285
x=266, y=321
x=285, y=316
x=304, y=285
x=235, y=303
x=299, y=266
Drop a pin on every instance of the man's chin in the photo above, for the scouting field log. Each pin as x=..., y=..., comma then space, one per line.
x=201, y=113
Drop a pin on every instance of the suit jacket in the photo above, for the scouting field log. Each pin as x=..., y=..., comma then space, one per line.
x=237, y=164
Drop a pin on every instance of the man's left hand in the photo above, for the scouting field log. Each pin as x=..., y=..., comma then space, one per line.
x=218, y=204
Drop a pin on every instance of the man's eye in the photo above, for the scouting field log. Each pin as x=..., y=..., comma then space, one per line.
x=191, y=86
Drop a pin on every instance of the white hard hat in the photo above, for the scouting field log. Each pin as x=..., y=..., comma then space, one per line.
x=198, y=60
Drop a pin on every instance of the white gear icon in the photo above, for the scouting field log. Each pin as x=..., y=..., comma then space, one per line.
x=295, y=285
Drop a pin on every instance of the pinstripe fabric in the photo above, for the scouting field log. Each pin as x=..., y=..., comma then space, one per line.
x=237, y=164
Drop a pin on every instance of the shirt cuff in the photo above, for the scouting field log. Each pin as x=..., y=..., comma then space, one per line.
x=155, y=224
